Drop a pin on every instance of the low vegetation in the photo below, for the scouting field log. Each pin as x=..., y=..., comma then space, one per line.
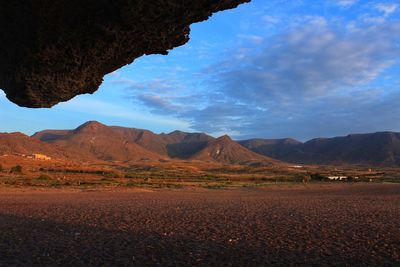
x=16, y=169
x=44, y=177
x=177, y=176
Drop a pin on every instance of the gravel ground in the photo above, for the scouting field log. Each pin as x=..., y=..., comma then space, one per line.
x=344, y=225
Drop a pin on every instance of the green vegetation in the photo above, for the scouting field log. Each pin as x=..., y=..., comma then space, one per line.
x=177, y=176
x=44, y=177
x=55, y=184
x=16, y=169
x=318, y=177
x=111, y=175
x=214, y=186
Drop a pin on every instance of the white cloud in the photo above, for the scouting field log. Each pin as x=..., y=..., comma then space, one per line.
x=387, y=8
x=255, y=39
x=345, y=3
x=369, y=19
x=271, y=19
x=100, y=108
x=311, y=61
x=305, y=82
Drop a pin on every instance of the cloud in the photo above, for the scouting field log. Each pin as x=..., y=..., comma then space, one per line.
x=370, y=19
x=316, y=80
x=92, y=107
x=345, y=3
x=387, y=8
x=220, y=116
x=255, y=39
x=158, y=103
x=271, y=19
x=309, y=62
x=297, y=78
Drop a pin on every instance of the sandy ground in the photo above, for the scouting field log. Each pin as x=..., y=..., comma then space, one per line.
x=344, y=225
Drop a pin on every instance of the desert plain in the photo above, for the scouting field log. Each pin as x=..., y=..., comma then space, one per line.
x=317, y=224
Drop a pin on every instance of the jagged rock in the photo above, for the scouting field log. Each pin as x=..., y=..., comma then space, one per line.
x=53, y=50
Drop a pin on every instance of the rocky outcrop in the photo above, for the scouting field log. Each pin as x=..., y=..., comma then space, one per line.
x=53, y=50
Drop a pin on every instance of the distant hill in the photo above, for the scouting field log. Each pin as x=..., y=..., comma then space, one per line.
x=18, y=143
x=177, y=144
x=99, y=141
x=184, y=145
x=96, y=141
x=382, y=148
x=274, y=148
x=122, y=144
x=225, y=150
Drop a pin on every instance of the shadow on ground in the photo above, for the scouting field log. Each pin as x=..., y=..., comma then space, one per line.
x=27, y=242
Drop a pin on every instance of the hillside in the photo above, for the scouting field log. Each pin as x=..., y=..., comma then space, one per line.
x=184, y=145
x=99, y=141
x=94, y=140
x=382, y=148
x=94, y=137
x=121, y=144
x=274, y=148
x=18, y=143
x=225, y=150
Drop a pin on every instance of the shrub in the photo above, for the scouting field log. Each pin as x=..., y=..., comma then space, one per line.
x=209, y=177
x=55, y=184
x=317, y=177
x=16, y=169
x=1, y=168
x=111, y=175
x=44, y=177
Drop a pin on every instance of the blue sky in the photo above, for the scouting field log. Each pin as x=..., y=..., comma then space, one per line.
x=269, y=69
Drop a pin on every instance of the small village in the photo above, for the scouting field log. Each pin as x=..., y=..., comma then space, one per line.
x=31, y=156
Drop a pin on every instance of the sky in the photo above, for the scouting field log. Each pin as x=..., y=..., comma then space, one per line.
x=268, y=69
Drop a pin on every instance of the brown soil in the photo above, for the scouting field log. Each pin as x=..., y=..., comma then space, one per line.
x=335, y=225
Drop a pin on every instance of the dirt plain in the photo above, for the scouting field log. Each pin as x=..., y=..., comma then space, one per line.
x=302, y=225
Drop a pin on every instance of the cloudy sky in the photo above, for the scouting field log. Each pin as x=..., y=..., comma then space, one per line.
x=269, y=69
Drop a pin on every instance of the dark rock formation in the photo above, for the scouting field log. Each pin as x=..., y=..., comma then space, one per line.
x=53, y=50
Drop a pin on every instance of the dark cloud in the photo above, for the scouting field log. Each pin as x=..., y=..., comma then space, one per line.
x=158, y=103
x=310, y=62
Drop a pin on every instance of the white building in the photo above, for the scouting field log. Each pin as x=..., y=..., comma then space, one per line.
x=337, y=178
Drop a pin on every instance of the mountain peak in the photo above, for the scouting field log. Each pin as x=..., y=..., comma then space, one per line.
x=90, y=123
x=90, y=126
x=225, y=150
x=177, y=133
x=224, y=138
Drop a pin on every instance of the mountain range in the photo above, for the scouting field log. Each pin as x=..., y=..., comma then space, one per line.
x=95, y=141
x=381, y=148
